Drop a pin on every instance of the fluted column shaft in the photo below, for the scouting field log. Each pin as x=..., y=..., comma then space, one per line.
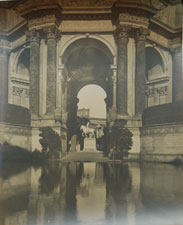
x=34, y=71
x=177, y=75
x=4, y=60
x=140, y=76
x=122, y=41
x=51, y=69
x=114, y=87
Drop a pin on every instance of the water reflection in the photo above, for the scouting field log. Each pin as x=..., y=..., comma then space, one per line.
x=91, y=193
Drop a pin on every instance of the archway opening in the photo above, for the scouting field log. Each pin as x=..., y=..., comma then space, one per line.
x=92, y=97
x=87, y=67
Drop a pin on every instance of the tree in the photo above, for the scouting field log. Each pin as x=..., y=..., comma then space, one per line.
x=120, y=139
x=50, y=141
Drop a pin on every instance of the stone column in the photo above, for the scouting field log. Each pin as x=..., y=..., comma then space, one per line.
x=122, y=41
x=140, y=76
x=51, y=69
x=177, y=75
x=34, y=39
x=4, y=60
x=114, y=87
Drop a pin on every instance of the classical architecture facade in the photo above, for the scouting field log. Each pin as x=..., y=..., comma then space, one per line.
x=50, y=49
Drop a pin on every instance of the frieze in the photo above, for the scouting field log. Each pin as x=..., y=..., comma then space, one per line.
x=125, y=18
x=87, y=3
x=39, y=23
x=151, y=92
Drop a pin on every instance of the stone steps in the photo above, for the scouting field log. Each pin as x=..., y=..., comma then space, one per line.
x=85, y=156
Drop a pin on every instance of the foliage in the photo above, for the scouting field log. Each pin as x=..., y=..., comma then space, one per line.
x=11, y=153
x=120, y=139
x=50, y=141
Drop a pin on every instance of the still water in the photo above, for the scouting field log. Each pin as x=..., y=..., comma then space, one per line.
x=91, y=193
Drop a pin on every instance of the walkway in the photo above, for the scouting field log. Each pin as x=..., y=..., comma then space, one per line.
x=83, y=156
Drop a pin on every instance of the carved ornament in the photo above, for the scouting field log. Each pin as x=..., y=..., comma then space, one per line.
x=87, y=3
x=142, y=34
x=4, y=51
x=151, y=92
x=162, y=90
x=33, y=36
x=176, y=45
x=4, y=43
x=122, y=31
x=52, y=33
x=39, y=23
x=19, y=91
x=133, y=20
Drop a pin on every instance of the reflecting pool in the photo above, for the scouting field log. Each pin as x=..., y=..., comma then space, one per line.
x=91, y=193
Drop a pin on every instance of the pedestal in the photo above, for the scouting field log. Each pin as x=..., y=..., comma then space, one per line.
x=90, y=145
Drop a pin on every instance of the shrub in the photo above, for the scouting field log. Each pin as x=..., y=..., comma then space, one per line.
x=120, y=139
x=50, y=142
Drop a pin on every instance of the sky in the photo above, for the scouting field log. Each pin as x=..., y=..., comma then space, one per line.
x=92, y=96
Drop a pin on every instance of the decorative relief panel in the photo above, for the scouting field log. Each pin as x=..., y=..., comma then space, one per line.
x=160, y=90
x=18, y=91
x=156, y=95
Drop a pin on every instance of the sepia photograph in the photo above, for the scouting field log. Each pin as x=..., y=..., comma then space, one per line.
x=91, y=112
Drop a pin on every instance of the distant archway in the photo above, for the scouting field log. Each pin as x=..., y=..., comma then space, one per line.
x=87, y=62
x=92, y=97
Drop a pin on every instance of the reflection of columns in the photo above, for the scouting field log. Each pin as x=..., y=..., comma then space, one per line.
x=114, y=86
x=140, y=77
x=34, y=71
x=51, y=69
x=4, y=59
x=61, y=87
x=122, y=41
x=177, y=75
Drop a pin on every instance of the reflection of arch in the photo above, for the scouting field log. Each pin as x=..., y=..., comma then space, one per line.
x=154, y=63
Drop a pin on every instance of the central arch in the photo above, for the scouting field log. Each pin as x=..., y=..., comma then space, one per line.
x=86, y=61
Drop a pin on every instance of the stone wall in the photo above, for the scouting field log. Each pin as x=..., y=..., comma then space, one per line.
x=162, y=143
x=17, y=135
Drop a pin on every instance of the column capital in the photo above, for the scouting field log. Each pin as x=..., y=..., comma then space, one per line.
x=122, y=31
x=4, y=47
x=4, y=51
x=33, y=36
x=142, y=34
x=52, y=33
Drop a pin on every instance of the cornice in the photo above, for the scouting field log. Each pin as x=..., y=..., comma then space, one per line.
x=86, y=16
x=164, y=30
